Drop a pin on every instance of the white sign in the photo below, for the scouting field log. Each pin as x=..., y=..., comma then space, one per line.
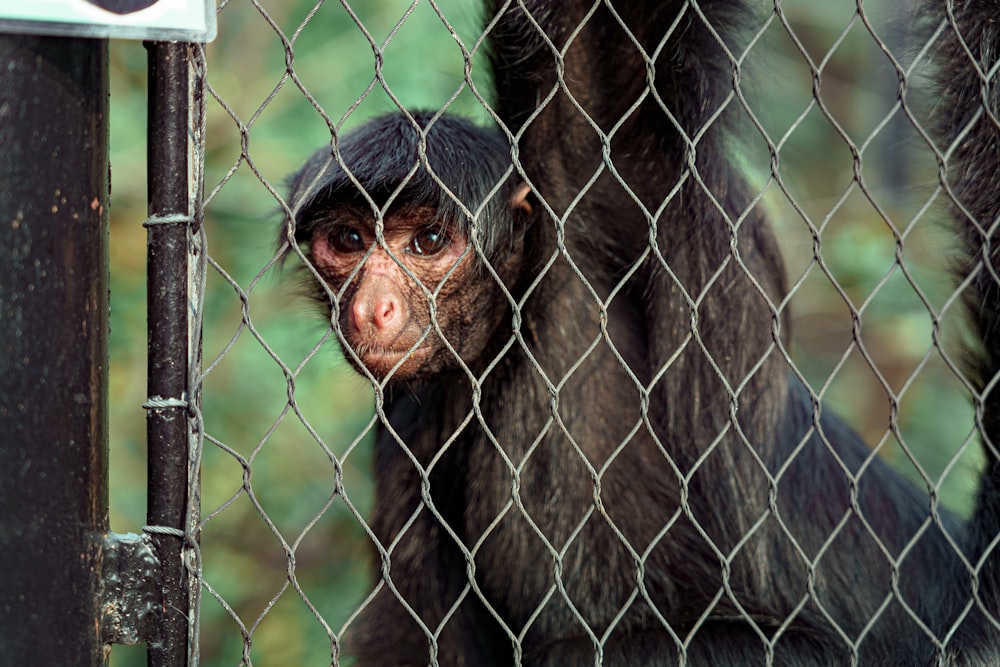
x=160, y=20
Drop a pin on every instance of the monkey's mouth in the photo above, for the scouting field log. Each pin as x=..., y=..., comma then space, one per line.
x=381, y=360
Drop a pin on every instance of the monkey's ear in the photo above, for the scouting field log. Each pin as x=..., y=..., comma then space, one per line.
x=519, y=200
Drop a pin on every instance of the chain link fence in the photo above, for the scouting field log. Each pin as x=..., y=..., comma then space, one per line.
x=830, y=105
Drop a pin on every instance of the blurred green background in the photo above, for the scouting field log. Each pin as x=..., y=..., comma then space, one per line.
x=269, y=475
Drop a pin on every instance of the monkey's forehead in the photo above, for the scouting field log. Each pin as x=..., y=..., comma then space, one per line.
x=400, y=215
x=330, y=197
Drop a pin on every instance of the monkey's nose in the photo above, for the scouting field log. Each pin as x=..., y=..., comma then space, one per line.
x=384, y=312
x=378, y=314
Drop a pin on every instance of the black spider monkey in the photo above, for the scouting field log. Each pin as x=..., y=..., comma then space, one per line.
x=593, y=451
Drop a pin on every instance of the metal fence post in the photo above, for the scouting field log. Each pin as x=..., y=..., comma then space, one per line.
x=53, y=347
x=174, y=189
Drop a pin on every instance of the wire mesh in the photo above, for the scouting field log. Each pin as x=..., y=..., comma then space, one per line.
x=832, y=135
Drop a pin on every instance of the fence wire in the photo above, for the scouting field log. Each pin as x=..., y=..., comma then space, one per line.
x=831, y=110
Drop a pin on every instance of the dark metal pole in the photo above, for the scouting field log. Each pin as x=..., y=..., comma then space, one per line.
x=174, y=207
x=53, y=347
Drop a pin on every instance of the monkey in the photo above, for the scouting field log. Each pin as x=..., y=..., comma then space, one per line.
x=592, y=449
x=519, y=357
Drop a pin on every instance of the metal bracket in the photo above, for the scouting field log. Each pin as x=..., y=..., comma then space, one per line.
x=129, y=572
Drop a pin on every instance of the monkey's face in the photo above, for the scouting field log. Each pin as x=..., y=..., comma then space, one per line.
x=413, y=305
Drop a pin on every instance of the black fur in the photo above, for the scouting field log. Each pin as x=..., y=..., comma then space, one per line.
x=772, y=482
x=417, y=154
x=631, y=475
x=967, y=132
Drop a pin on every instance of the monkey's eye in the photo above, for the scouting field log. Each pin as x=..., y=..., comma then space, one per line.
x=346, y=239
x=429, y=241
